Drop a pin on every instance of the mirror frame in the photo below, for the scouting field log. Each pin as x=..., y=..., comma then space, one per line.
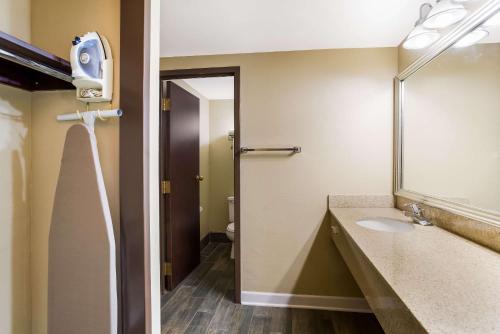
x=444, y=43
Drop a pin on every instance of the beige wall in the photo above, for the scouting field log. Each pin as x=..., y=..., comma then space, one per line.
x=451, y=106
x=15, y=290
x=204, y=157
x=54, y=25
x=406, y=57
x=15, y=18
x=337, y=105
x=15, y=133
x=221, y=163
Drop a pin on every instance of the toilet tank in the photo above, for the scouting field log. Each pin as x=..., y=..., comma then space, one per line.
x=230, y=205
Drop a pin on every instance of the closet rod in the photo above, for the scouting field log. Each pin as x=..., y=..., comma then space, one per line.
x=34, y=65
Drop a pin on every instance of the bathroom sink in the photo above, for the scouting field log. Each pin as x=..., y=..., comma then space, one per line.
x=386, y=225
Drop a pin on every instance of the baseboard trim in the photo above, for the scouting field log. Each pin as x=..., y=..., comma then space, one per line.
x=331, y=303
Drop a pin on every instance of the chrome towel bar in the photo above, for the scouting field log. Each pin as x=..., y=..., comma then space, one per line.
x=295, y=149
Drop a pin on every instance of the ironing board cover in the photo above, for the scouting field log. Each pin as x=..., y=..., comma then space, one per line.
x=82, y=295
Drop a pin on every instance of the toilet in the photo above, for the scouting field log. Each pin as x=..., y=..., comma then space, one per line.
x=230, y=226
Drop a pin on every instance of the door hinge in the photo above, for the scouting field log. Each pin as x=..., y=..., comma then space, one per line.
x=165, y=104
x=167, y=269
x=165, y=187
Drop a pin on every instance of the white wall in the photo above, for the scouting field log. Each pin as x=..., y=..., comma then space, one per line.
x=153, y=285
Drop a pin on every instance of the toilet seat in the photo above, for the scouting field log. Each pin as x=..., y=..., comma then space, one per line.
x=230, y=228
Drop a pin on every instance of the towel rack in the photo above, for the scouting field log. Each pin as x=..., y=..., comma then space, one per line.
x=295, y=149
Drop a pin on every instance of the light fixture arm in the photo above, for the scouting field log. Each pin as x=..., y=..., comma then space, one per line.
x=425, y=9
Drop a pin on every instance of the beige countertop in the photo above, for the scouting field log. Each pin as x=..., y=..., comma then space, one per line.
x=449, y=284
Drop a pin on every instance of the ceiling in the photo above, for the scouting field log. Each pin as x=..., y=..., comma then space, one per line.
x=220, y=88
x=205, y=27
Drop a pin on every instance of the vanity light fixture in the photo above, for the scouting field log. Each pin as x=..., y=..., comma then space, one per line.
x=471, y=38
x=444, y=14
x=420, y=37
x=493, y=21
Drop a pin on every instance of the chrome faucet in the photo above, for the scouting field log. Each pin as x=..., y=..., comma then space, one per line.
x=417, y=214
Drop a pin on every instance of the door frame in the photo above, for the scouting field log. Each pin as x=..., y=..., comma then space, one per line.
x=212, y=72
x=135, y=313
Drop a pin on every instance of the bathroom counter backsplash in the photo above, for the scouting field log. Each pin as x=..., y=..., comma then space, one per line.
x=361, y=201
x=450, y=284
x=483, y=233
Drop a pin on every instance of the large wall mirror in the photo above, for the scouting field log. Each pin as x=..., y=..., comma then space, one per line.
x=448, y=121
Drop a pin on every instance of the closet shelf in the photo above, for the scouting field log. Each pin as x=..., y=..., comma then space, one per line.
x=25, y=66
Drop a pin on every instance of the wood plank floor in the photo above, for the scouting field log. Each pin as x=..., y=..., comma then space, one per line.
x=203, y=303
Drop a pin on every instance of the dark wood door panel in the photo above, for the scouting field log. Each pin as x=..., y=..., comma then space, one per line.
x=181, y=166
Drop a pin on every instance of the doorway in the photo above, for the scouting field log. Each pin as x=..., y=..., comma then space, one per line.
x=182, y=179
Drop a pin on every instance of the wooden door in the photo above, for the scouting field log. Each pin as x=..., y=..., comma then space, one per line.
x=179, y=170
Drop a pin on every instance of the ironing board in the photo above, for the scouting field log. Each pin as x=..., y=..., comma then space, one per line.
x=82, y=296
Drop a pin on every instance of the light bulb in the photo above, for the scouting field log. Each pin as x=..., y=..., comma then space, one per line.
x=471, y=38
x=420, y=38
x=444, y=14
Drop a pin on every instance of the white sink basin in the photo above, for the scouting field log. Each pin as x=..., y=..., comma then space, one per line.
x=386, y=225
